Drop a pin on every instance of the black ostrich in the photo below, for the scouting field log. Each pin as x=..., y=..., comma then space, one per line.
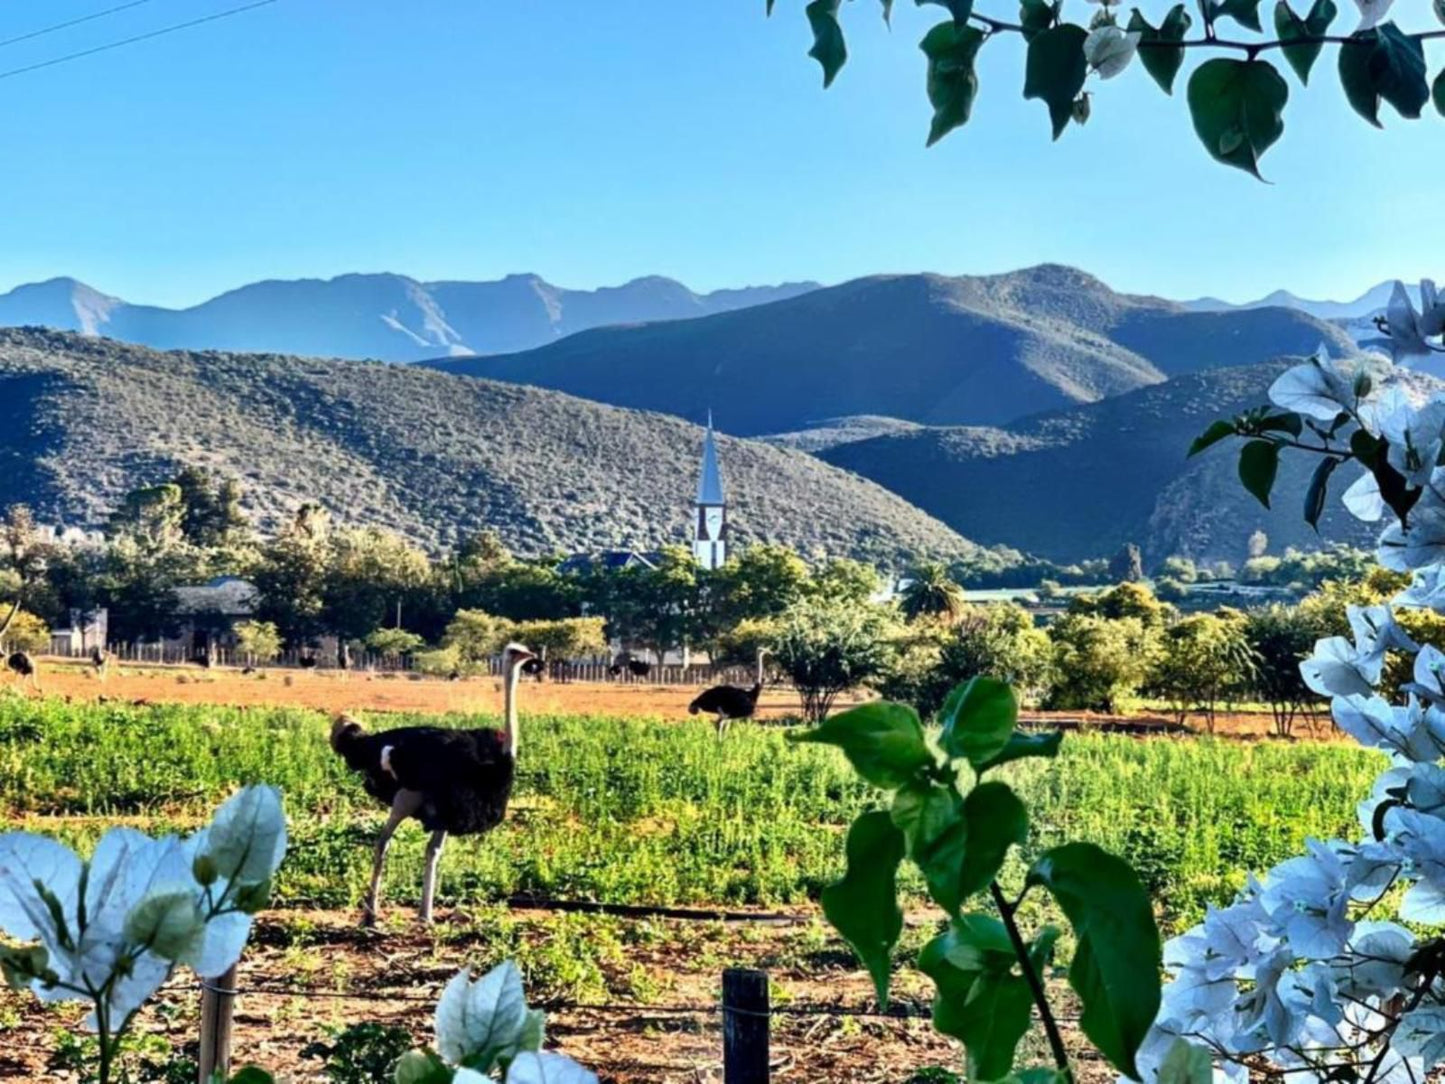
x=535, y=668
x=23, y=666
x=307, y=662
x=100, y=660
x=454, y=782
x=728, y=702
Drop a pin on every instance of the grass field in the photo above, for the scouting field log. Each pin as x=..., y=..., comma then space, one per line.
x=630, y=811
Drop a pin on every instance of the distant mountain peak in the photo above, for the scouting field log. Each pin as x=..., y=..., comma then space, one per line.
x=375, y=314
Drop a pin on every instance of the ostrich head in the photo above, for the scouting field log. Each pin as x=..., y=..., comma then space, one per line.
x=343, y=727
x=514, y=655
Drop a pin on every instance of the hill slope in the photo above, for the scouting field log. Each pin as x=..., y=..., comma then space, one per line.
x=1079, y=483
x=390, y=317
x=84, y=420
x=921, y=348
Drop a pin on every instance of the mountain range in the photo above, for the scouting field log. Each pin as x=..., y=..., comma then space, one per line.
x=386, y=317
x=1369, y=303
x=84, y=420
x=929, y=349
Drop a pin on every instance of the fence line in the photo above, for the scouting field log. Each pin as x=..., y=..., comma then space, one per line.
x=597, y=669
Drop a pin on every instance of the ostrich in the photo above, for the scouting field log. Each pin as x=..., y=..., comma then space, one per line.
x=728, y=702
x=100, y=660
x=535, y=668
x=23, y=666
x=453, y=781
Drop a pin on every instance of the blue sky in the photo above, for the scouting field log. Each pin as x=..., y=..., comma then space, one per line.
x=592, y=141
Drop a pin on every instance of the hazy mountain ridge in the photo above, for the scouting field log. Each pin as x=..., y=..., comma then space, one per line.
x=971, y=350
x=1369, y=303
x=84, y=420
x=1082, y=482
x=383, y=316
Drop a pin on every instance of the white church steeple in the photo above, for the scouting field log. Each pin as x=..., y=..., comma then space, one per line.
x=709, y=542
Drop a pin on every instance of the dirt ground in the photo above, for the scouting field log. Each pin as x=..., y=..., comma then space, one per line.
x=319, y=971
x=330, y=691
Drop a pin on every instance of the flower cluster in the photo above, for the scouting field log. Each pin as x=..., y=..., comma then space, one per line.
x=109, y=931
x=1312, y=970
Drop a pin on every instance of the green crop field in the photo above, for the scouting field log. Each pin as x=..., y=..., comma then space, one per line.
x=635, y=811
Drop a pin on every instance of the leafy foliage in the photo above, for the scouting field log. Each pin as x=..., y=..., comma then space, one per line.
x=986, y=975
x=1236, y=104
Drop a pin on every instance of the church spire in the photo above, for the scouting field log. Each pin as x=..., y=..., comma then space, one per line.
x=709, y=539
x=709, y=481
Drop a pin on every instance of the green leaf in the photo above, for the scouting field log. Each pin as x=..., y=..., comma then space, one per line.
x=1185, y=1063
x=168, y=922
x=1291, y=27
x=882, y=740
x=959, y=9
x=1115, y=970
x=863, y=906
x=1055, y=71
x=1397, y=70
x=952, y=81
x=1355, y=77
x=1438, y=93
x=1319, y=485
x=887, y=11
x=1161, y=60
x=422, y=1067
x=1237, y=107
x=933, y=822
x=1041, y=744
x=979, y=1000
x=1244, y=12
x=1041, y=950
x=1290, y=423
x=996, y=820
x=1258, y=465
x=959, y=845
x=1216, y=432
x=977, y=718
x=252, y=1075
x=828, y=49
x=1036, y=16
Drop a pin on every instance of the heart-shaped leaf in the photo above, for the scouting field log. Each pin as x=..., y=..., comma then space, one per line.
x=1290, y=28
x=952, y=81
x=828, y=49
x=1160, y=57
x=1397, y=70
x=863, y=906
x=1258, y=465
x=1055, y=71
x=1238, y=107
x=882, y=740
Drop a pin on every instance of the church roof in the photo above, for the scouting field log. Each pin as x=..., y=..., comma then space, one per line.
x=709, y=482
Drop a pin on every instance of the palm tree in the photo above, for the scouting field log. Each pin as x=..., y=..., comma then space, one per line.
x=930, y=590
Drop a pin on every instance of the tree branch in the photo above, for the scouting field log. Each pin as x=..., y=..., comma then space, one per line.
x=1036, y=985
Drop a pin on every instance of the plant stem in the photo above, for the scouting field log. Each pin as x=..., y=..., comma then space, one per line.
x=1036, y=983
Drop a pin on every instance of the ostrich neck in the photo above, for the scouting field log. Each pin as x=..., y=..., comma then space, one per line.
x=760, y=669
x=514, y=674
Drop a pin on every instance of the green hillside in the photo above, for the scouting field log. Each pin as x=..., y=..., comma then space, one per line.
x=84, y=420
x=1079, y=483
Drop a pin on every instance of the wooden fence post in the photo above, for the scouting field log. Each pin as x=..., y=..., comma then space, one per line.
x=745, y=1026
x=218, y=1002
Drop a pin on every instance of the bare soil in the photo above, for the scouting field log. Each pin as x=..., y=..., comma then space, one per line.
x=308, y=973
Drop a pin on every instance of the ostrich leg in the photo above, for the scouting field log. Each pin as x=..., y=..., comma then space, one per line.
x=404, y=805
x=722, y=724
x=429, y=879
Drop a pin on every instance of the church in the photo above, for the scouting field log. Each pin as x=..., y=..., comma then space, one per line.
x=710, y=518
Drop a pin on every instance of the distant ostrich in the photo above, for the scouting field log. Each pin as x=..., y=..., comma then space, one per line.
x=728, y=702
x=535, y=668
x=307, y=662
x=23, y=666
x=452, y=781
x=100, y=660
x=635, y=667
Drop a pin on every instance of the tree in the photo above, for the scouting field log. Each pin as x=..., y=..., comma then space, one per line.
x=393, y=644
x=1124, y=600
x=211, y=515
x=842, y=579
x=290, y=577
x=1281, y=637
x=475, y=636
x=368, y=576
x=1098, y=661
x=1236, y=98
x=257, y=641
x=827, y=648
x=1127, y=566
x=27, y=632
x=930, y=591
x=22, y=562
x=1257, y=546
x=568, y=638
x=760, y=581
x=1202, y=659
